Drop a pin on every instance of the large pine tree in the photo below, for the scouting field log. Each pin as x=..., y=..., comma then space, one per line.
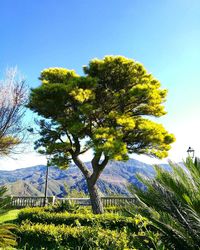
x=106, y=110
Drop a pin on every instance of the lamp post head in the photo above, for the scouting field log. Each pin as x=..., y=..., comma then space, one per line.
x=190, y=152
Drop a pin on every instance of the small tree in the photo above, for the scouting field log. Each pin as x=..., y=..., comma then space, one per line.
x=106, y=110
x=13, y=97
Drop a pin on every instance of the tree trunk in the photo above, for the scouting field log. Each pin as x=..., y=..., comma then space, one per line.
x=91, y=178
x=97, y=206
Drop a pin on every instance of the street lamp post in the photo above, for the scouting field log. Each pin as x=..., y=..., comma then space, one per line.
x=46, y=183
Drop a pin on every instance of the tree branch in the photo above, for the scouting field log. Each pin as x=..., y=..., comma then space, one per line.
x=81, y=166
x=104, y=163
x=69, y=138
x=95, y=160
x=98, y=167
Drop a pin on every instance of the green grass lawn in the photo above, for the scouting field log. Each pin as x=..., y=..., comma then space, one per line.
x=9, y=215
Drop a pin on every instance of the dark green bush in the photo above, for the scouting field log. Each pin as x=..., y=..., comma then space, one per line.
x=40, y=236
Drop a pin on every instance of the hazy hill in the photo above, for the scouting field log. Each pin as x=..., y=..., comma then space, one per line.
x=114, y=179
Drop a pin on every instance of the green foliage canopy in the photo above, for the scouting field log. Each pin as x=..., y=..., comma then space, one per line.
x=108, y=107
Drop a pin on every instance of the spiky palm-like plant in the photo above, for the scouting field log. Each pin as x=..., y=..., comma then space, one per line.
x=7, y=238
x=172, y=202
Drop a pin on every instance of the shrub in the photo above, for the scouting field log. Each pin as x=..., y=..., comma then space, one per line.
x=113, y=209
x=137, y=230
x=37, y=236
x=65, y=206
x=110, y=221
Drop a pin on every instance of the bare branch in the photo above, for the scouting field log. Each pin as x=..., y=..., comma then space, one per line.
x=13, y=98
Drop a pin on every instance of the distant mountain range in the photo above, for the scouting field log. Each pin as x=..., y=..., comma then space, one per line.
x=114, y=179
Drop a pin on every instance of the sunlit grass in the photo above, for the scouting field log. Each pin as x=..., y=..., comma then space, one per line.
x=9, y=215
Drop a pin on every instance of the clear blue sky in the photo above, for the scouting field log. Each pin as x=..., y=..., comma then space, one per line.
x=164, y=35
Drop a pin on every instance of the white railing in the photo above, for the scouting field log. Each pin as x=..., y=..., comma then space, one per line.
x=19, y=202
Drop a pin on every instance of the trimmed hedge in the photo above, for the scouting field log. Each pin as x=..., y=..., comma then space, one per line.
x=40, y=236
x=109, y=221
x=50, y=230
